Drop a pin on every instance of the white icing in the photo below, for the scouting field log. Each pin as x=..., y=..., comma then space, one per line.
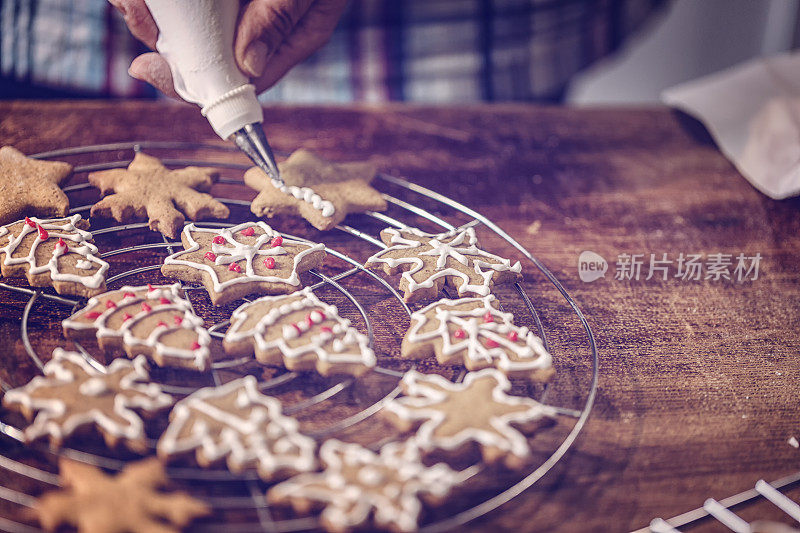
x=460, y=246
x=63, y=228
x=93, y=387
x=308, y=196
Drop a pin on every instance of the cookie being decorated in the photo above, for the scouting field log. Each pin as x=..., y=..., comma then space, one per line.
x=54, y=252
x=31, y=186
x=245, y=259
x=148, y=189
x=473, y=332
x=130, y=502
x=478, y=410
x=73, y=394
x=157, y=322
x=237, y=423
x=431, y=261
x=319, y=191
x=300, y=332
x=358, y=483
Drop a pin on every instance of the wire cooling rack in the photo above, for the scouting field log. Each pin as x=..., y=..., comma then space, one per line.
x=344, y=406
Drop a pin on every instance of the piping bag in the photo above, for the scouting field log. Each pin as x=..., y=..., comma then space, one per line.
x=196, y=39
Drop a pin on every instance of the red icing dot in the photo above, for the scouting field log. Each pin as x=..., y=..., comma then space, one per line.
x=178, y=319
x=491, y=343
x=125, y=317
x=43, y=233
x=146, y=308
x=61, y=242
x=512, y=335
x=160, y=324
x=91, y=315
x=219, y=239
x=234, y=267
x=150, y=288
x=326, y=329
x=269, y=262
x=129, y=295
x=210, y=256
x=163, y=301
x=248, y=232
x=309, y=320
x=195, y=345
x=488, y=317
x=111, y=305
x=277, y=241
x=30, y=222
x=459, y=334
x=299, y=331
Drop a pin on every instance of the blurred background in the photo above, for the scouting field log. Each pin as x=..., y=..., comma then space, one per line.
x=433, y=51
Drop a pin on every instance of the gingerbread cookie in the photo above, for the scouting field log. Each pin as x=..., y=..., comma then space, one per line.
x=147, y=189
x=245, y=259
x=30, y=186
x=431, y=261
x=73, y=394
x=319, y=191
x=472, y=332
x=357, y=482
x=157, y=322
x=301, y=332
x=237, y=423
x=130, y=502
x=56, y=252
x=478, y=410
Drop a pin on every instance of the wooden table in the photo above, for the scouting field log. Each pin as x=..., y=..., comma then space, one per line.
x=699, y=380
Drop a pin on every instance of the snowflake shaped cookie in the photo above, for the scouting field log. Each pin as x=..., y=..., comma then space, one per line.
x=301, y=332
x=473, y=332
x=478, y=410
x=237, y=423
x=55, y=252
x=358, y=482
x=157, y=322
x=72, y=394
x=431, y=261
x=129, y=502
x=245, y=259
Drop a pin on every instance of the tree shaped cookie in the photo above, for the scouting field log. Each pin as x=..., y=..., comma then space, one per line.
x=301, y=332
x=237, y=423
x=56, y=252
x=130, y=502
x=245, y=259
x=477, y=410
x=73, y=394
x=147, y=189
x=30, y=186
x=357, y=483
x=471, y=331
x=157, y=322
x=319, y=191
x=429, y=261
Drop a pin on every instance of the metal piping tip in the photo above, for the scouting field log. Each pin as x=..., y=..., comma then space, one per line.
x=252, y=141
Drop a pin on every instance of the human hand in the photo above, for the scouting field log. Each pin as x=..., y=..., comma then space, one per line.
x=272, y=36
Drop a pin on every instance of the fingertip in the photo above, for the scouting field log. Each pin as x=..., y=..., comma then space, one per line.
x=153, y=69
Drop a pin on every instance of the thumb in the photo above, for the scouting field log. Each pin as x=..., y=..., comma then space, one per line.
x=153, y=69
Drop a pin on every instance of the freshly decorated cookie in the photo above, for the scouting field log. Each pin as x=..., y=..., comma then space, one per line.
x=319, y=191
x=130, y=502
x=157, y=322
x=472, y=332
x=245, y=259
x=31, y=187
x=357, y=483
x=73, y=394
x=300, y=332
x=478, y=410
x=237, y=423
x=431, y=261
x=56, y=252
x=147, y=189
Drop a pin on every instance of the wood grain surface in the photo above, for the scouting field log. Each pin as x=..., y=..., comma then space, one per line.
x=699, y=380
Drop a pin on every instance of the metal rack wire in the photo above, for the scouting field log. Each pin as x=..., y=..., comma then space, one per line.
x=253, y=498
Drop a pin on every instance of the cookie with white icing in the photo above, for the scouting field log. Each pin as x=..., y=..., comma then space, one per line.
x=360, y=487
x=245, y=259
x=430, y=262
x=473, y=332
x=155, y=321
x=73, y=395
x=319, y=191
x=300, y=332
x=478, y=410
x=54, y=252
x=238, y=424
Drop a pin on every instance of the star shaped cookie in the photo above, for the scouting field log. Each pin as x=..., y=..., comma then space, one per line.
x=431, y=261
x=319, y=191
x=358, y=482
x=148, y=189
x=477, y=410
x=73, y=394
x=245, y=259
x=30, y=186
x=237, y=423
x=129, y=502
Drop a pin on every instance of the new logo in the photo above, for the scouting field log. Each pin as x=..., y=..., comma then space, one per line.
x=591, y=266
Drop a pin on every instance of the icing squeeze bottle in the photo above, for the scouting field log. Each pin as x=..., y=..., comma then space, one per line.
x=196, y=39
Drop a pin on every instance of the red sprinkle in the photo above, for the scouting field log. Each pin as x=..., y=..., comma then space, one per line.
x=30, y=222
x=61, y=242
x=163, y=301
x=177, y=319
x=234, y=267
x=488, y=317
x=491, y=343
x=43, y=233
x=326, y=329
x=248, y=232
x=110, y=304
x=125, y=317
x=512, y=335
x=210, y=256
x=459, y=334
x=219, y=239
x=195, y=345
x=91, y=315
x=150, y=288
x=129, y=295
x=309, y=320
x=162, y=323
x=277, y=241
x=269, y=262
x=299, y=331
x=146, y=308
